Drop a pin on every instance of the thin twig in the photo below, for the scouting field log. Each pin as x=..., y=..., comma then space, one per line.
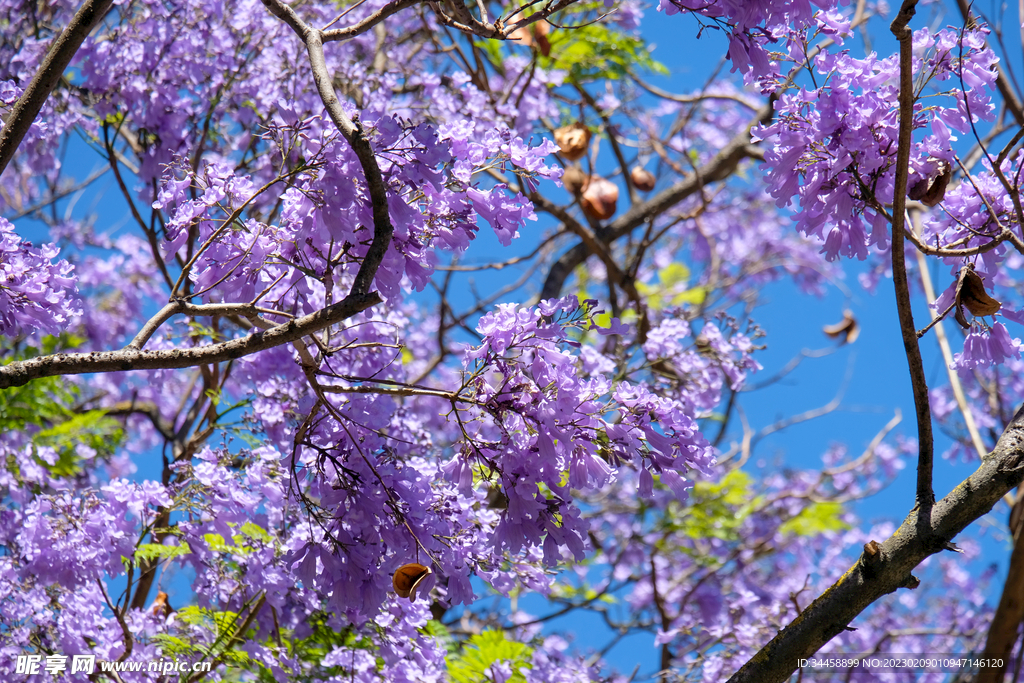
x=900, y=28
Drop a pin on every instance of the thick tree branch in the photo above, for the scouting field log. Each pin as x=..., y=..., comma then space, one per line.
x=359, y=299
x=883, y=568
x=22, y=372
x=57, y=59
x=1002, y=634
x=901, y=29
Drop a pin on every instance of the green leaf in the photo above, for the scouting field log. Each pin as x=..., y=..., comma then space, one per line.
x=816, y=518
x=150, y=551
x=674, y=274
x=255, y=532
x=481, y=651
x=217, y=544
x=587, y=52
x=93, y=428
x=442, y=635
x=718, y=509
x=598, y=52
x=671, y=279
x=694, y=295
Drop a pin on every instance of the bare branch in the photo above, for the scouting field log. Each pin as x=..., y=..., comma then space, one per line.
x=369, y=22
x=22, y=372
x=901, y=29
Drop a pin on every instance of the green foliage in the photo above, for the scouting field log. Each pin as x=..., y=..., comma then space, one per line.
x=92, y=428
x=473, y=664
x=228, y=627
x=42, y=401
x=322, y=640
x=151, y=551
x=439, y=632
x=718, y=509
x=255, y=532
x=583, y=593
x=816, y=518
x=586, y=52
x=671, y=288
x=223, y=623
x=598, y=52
x=241, y=542
x=45, y=408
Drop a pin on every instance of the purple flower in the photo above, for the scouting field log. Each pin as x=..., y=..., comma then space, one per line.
x=986, y=347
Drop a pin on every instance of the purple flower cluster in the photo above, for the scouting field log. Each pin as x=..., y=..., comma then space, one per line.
x=36, y=295
x=557, y=442
x=753, y=26
x=834, y=146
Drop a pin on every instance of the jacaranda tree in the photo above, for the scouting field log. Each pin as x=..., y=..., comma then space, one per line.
x=260, y=409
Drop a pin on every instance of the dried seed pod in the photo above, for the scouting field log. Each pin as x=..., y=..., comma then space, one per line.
x=573, y=140
x=534, y=35
x=931, y=191
x=970, y=292
x=521, y=35
x=847, y=327
x=541, y=29
x=598, y=200
x=575, y=180
x=408, y=578
x=160, y=606
x=643, y=179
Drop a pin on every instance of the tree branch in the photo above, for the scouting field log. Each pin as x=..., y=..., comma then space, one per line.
x=901, y=29
x=359, y=298
x=22, y=372
x=1002, y=634
x=353, y=133
x=883, y=568
x=42, y=84
x=369, y=22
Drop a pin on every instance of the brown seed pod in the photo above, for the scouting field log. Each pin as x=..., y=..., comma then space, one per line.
x=643, y=179
x=598, y=200
x=541, y=29
x=534, y=35
x=847, y=327
x=970, y=292
x=573, y=140
x=575, y=180
x=160, y=606
x=408, y=578
x=931, y=191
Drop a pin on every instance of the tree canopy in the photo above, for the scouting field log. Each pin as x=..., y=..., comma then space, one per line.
x=387, y=317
